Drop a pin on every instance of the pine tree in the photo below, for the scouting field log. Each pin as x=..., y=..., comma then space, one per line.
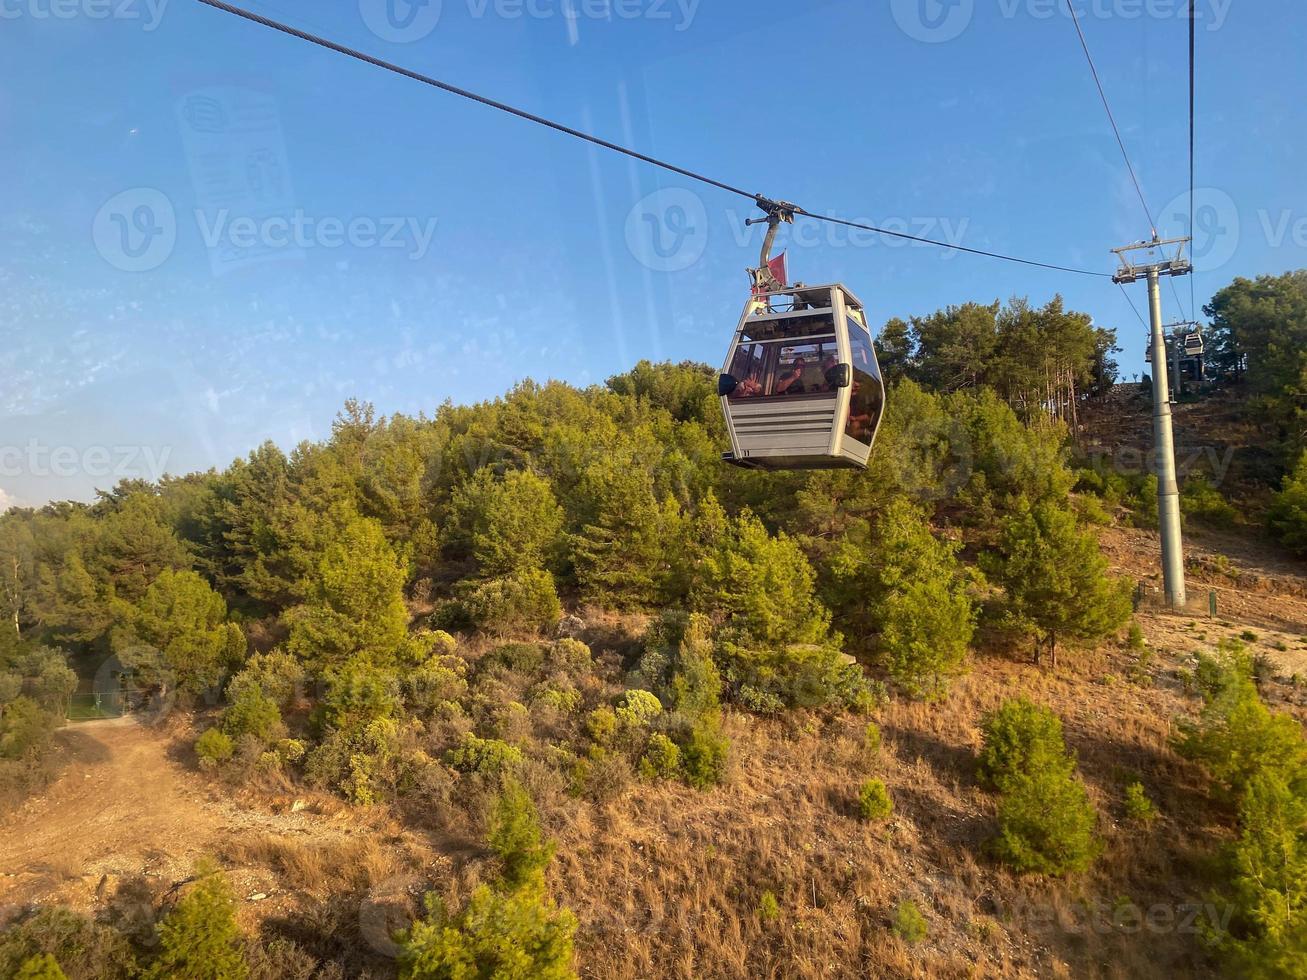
x=354, y=607
x=199, y=938
x=134, y=546
x=178, y=634
x=511, y=523
x=764, y=586
x=906, y=592
x=618, y=551
x=1055, y=578
x=508, y=931
x=1286, y=518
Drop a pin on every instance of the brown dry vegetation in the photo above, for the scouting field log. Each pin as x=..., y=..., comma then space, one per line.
x=667, y=881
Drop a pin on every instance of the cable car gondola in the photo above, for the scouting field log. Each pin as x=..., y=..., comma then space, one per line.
x=801, y=388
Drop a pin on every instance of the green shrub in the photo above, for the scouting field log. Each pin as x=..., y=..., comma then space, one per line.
x=436, y=683
x=41, y=967
x=25, y=728
x=524, y=601
x=213, y=748
x=82, y=947
x=874, y=801
x=358, y=694
x=521, y=658
x=1286, y=518
x=769, y=909
x=704, y=754
x=510, y=930
x=1092, y=512
x=199, y=939
x=1268, y=937
x=601, y=725
x=564, y=700
x=487, y=756
x=661, y=759
x=276, y=673
x=871, y=740
x=1138, y=807
x=517, y=935
x=1020, y=737
x=638, y=709
x=1237, y=736
x=570, y=656
x=255, y=715
x=909, y=924
x=1045, y=819
x=1046, y=823
x=516, y=837
x=1135, y=638
x=802, y=675
x=1203, y=502
x=677, y=663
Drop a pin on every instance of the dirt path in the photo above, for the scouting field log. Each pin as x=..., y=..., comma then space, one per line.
x=1260, y=593
x=123, y=807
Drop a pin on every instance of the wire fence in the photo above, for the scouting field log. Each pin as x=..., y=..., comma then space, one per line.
x=1198, y=602
x=96, y=705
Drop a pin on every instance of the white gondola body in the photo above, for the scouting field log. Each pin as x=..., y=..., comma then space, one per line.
x=804, y=336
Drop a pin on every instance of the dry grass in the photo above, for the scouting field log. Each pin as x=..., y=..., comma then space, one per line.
x=667, y=881
x=318, y=866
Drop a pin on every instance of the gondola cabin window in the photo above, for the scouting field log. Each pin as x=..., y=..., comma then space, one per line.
x=868, y=395
x=776, y=369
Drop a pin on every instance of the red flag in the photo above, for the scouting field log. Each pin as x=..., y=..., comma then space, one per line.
x=777, y=268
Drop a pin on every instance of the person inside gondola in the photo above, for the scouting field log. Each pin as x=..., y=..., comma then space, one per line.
x=750, y=387
x=829, y=368
x=791, y=382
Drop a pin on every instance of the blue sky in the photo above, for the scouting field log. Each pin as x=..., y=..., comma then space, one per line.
x=212, y=234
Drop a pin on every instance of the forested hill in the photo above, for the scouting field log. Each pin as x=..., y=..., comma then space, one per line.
x=397, y=608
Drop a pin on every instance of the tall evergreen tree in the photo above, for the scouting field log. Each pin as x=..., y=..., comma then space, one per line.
x=1055, y=578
